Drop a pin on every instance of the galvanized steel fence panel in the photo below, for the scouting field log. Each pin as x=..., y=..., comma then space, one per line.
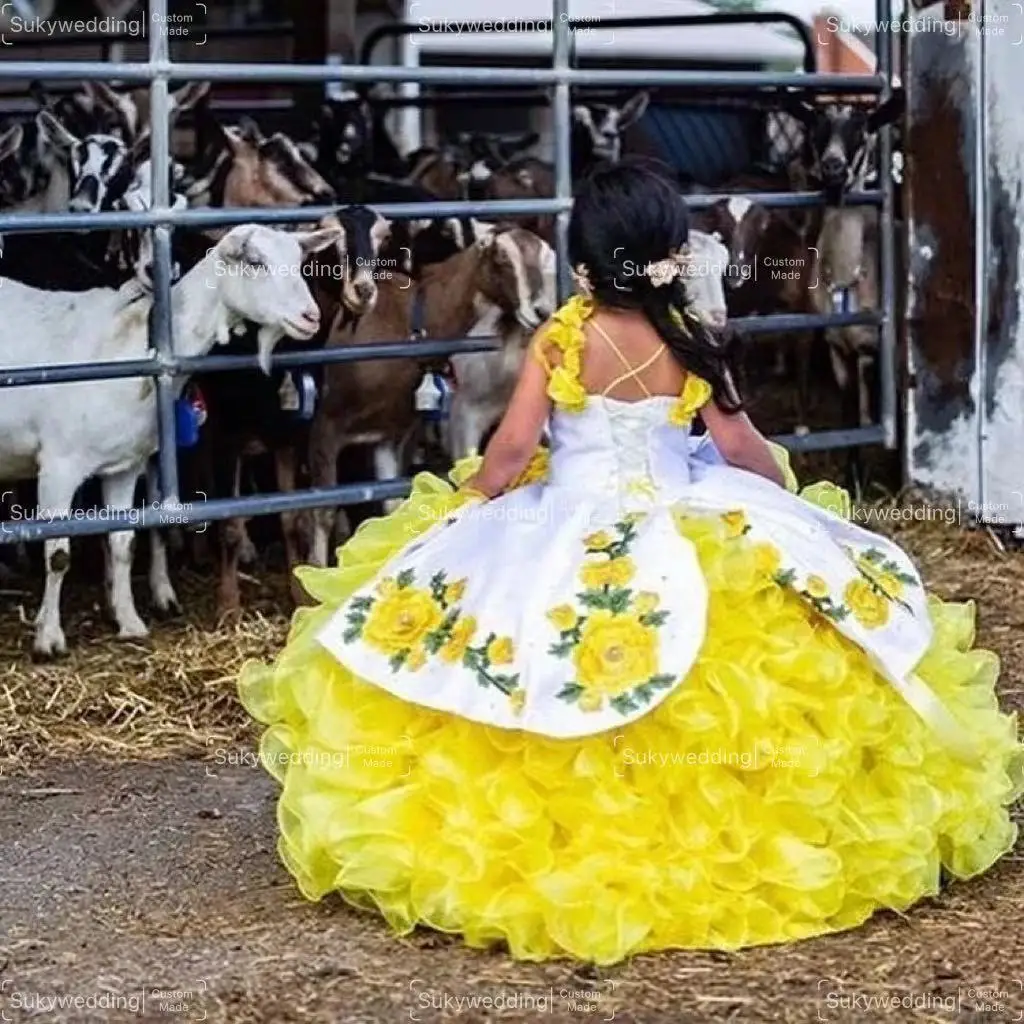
x=165, y=366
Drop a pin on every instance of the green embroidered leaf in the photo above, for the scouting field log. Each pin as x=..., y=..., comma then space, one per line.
x=905, y=577
x=654, y=618
x=434, y=641
x=350, y=636
x=644, y=692
x=361, y=604
x=785, y=578
x=437, y=580
x=839, y=612
x=398, y=660
x=562, y=649
x=593, y=598
x=873, y=555
x=624, y=704
x=570, y=692
x=619, y=599
x=405, y=578
x=661, y=681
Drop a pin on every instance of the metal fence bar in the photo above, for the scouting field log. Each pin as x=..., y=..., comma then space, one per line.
x=887, y=239
x=161, y=327
x=66, y=373
x=801, y=28
x=159, y=71
x=356, y=73
x=25, y=528
x=499, y=209
x=562, y=124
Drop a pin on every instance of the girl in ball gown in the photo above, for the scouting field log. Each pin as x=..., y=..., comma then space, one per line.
x=630, y=692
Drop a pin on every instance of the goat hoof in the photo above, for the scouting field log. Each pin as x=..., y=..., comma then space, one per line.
x=228, y=613
x=165, y=602
x=133, y=631
x=166, y=609
x=247, y=553
x=49, y=644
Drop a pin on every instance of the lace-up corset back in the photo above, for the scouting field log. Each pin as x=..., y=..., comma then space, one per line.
x=635, y=450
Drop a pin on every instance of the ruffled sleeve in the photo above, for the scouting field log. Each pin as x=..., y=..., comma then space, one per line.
x=566, y=335
x=695, y=394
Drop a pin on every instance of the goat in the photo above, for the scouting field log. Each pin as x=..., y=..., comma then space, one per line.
x=44, y=168
x=371, y=402
x=108, y=428
x=77, y=261
x=351, y=141
x=597, y=135
x=839, y=154
x=242, y=167
x=96, y=108
x=250, y=412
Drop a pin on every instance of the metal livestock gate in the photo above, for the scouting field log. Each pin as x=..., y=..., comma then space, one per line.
x=165, y=366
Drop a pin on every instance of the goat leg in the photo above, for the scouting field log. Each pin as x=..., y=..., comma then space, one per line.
x=161, y=590
x=229, y=599
x=57, y=486
x=119, y=495
x=324, y=448
x=247, y=550
x=296, y=544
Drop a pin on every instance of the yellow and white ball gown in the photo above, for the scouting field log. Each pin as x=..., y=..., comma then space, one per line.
x=648, y=701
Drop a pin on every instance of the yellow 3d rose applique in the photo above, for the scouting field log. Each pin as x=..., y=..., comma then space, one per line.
x=867, y=606
x=461, y=635
x=501, y=651
x=563, y=618
x=612, y=572
x=735, y=523
x=400, y=620
x=565, y=390
x=695, y=394
x=615, y=653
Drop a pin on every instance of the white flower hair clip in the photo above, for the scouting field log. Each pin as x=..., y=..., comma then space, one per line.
x=666, y=270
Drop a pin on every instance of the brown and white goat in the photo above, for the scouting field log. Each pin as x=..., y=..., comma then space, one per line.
x=372, y=401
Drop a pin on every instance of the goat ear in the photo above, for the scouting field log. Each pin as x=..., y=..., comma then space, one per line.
x=888, y=112
x=141, y=147
x=581, y=113
x=633, y=109
x=38, y=93
x=55, y=132
x=10, y=141
x=250, y=131
x=803, y=110
x=232, y=245
x=315, y=241
x=309, y=151
x=101, y=93
x=189, y=95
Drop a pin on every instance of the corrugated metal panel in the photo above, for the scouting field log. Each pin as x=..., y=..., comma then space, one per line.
x=702, y=143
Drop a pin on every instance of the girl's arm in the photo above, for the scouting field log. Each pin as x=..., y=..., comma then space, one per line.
x=518, y=435
x=741, y=444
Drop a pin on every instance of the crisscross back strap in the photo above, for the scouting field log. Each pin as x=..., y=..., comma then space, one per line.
x=632, y=372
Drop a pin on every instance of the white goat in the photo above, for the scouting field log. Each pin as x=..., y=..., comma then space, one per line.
x=109, y=428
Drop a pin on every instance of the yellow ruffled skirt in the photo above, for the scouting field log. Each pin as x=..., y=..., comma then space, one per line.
x=785, y=790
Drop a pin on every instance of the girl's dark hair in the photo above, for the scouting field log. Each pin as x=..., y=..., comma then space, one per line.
x=626, y=216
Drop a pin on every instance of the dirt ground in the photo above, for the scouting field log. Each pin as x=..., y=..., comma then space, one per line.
x=129, y=883
x=139, y=879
